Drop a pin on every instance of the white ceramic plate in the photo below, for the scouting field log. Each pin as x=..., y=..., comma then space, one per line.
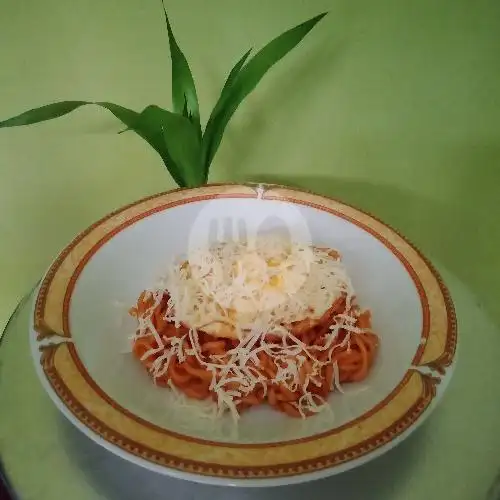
x=80, y=329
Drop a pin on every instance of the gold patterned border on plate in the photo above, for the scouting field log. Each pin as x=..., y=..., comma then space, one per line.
x=89, y=404
x=352, y=441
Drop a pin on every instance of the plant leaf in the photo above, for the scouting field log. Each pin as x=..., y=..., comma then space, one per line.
x=143, y=124
x=125, y=115
x=172, y=136
x=184, y=96
x=225, y=90
x=235, y=71
x=148, y=128
x=176, y=140
x=185, y=111
x=245, y=81
x=184, y=147
x=58, y=109
x=43, y=113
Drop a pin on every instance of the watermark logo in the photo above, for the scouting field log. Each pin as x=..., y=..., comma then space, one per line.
x=248, y=223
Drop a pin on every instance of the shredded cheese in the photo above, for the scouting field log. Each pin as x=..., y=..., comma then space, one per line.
x=253, y=293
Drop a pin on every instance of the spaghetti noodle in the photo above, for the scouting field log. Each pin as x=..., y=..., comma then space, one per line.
x=291, y=365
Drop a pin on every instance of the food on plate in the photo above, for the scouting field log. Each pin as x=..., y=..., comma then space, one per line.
x=272, y=322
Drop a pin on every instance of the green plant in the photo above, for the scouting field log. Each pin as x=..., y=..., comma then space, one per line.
x=176, y=136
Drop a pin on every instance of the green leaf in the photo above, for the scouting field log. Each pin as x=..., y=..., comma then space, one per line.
x=225, y=90
x=125, y=115
x=245, y=81
x=146, y=124
x=146, y=127
x=184, y=147
x=185, y=111
x=234, y=72
x=43, y=113
x=176, y=140
x=184, y=98
x=57, y=109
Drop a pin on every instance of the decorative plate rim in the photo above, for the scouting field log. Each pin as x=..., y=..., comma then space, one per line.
x=59, y=360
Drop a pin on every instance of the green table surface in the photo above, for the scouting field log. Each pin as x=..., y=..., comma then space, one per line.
x=390, y=105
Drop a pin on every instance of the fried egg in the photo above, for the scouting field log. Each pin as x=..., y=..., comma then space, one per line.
x=234, y=289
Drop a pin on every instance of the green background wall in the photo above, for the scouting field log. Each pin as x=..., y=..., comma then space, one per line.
x=391, y=105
